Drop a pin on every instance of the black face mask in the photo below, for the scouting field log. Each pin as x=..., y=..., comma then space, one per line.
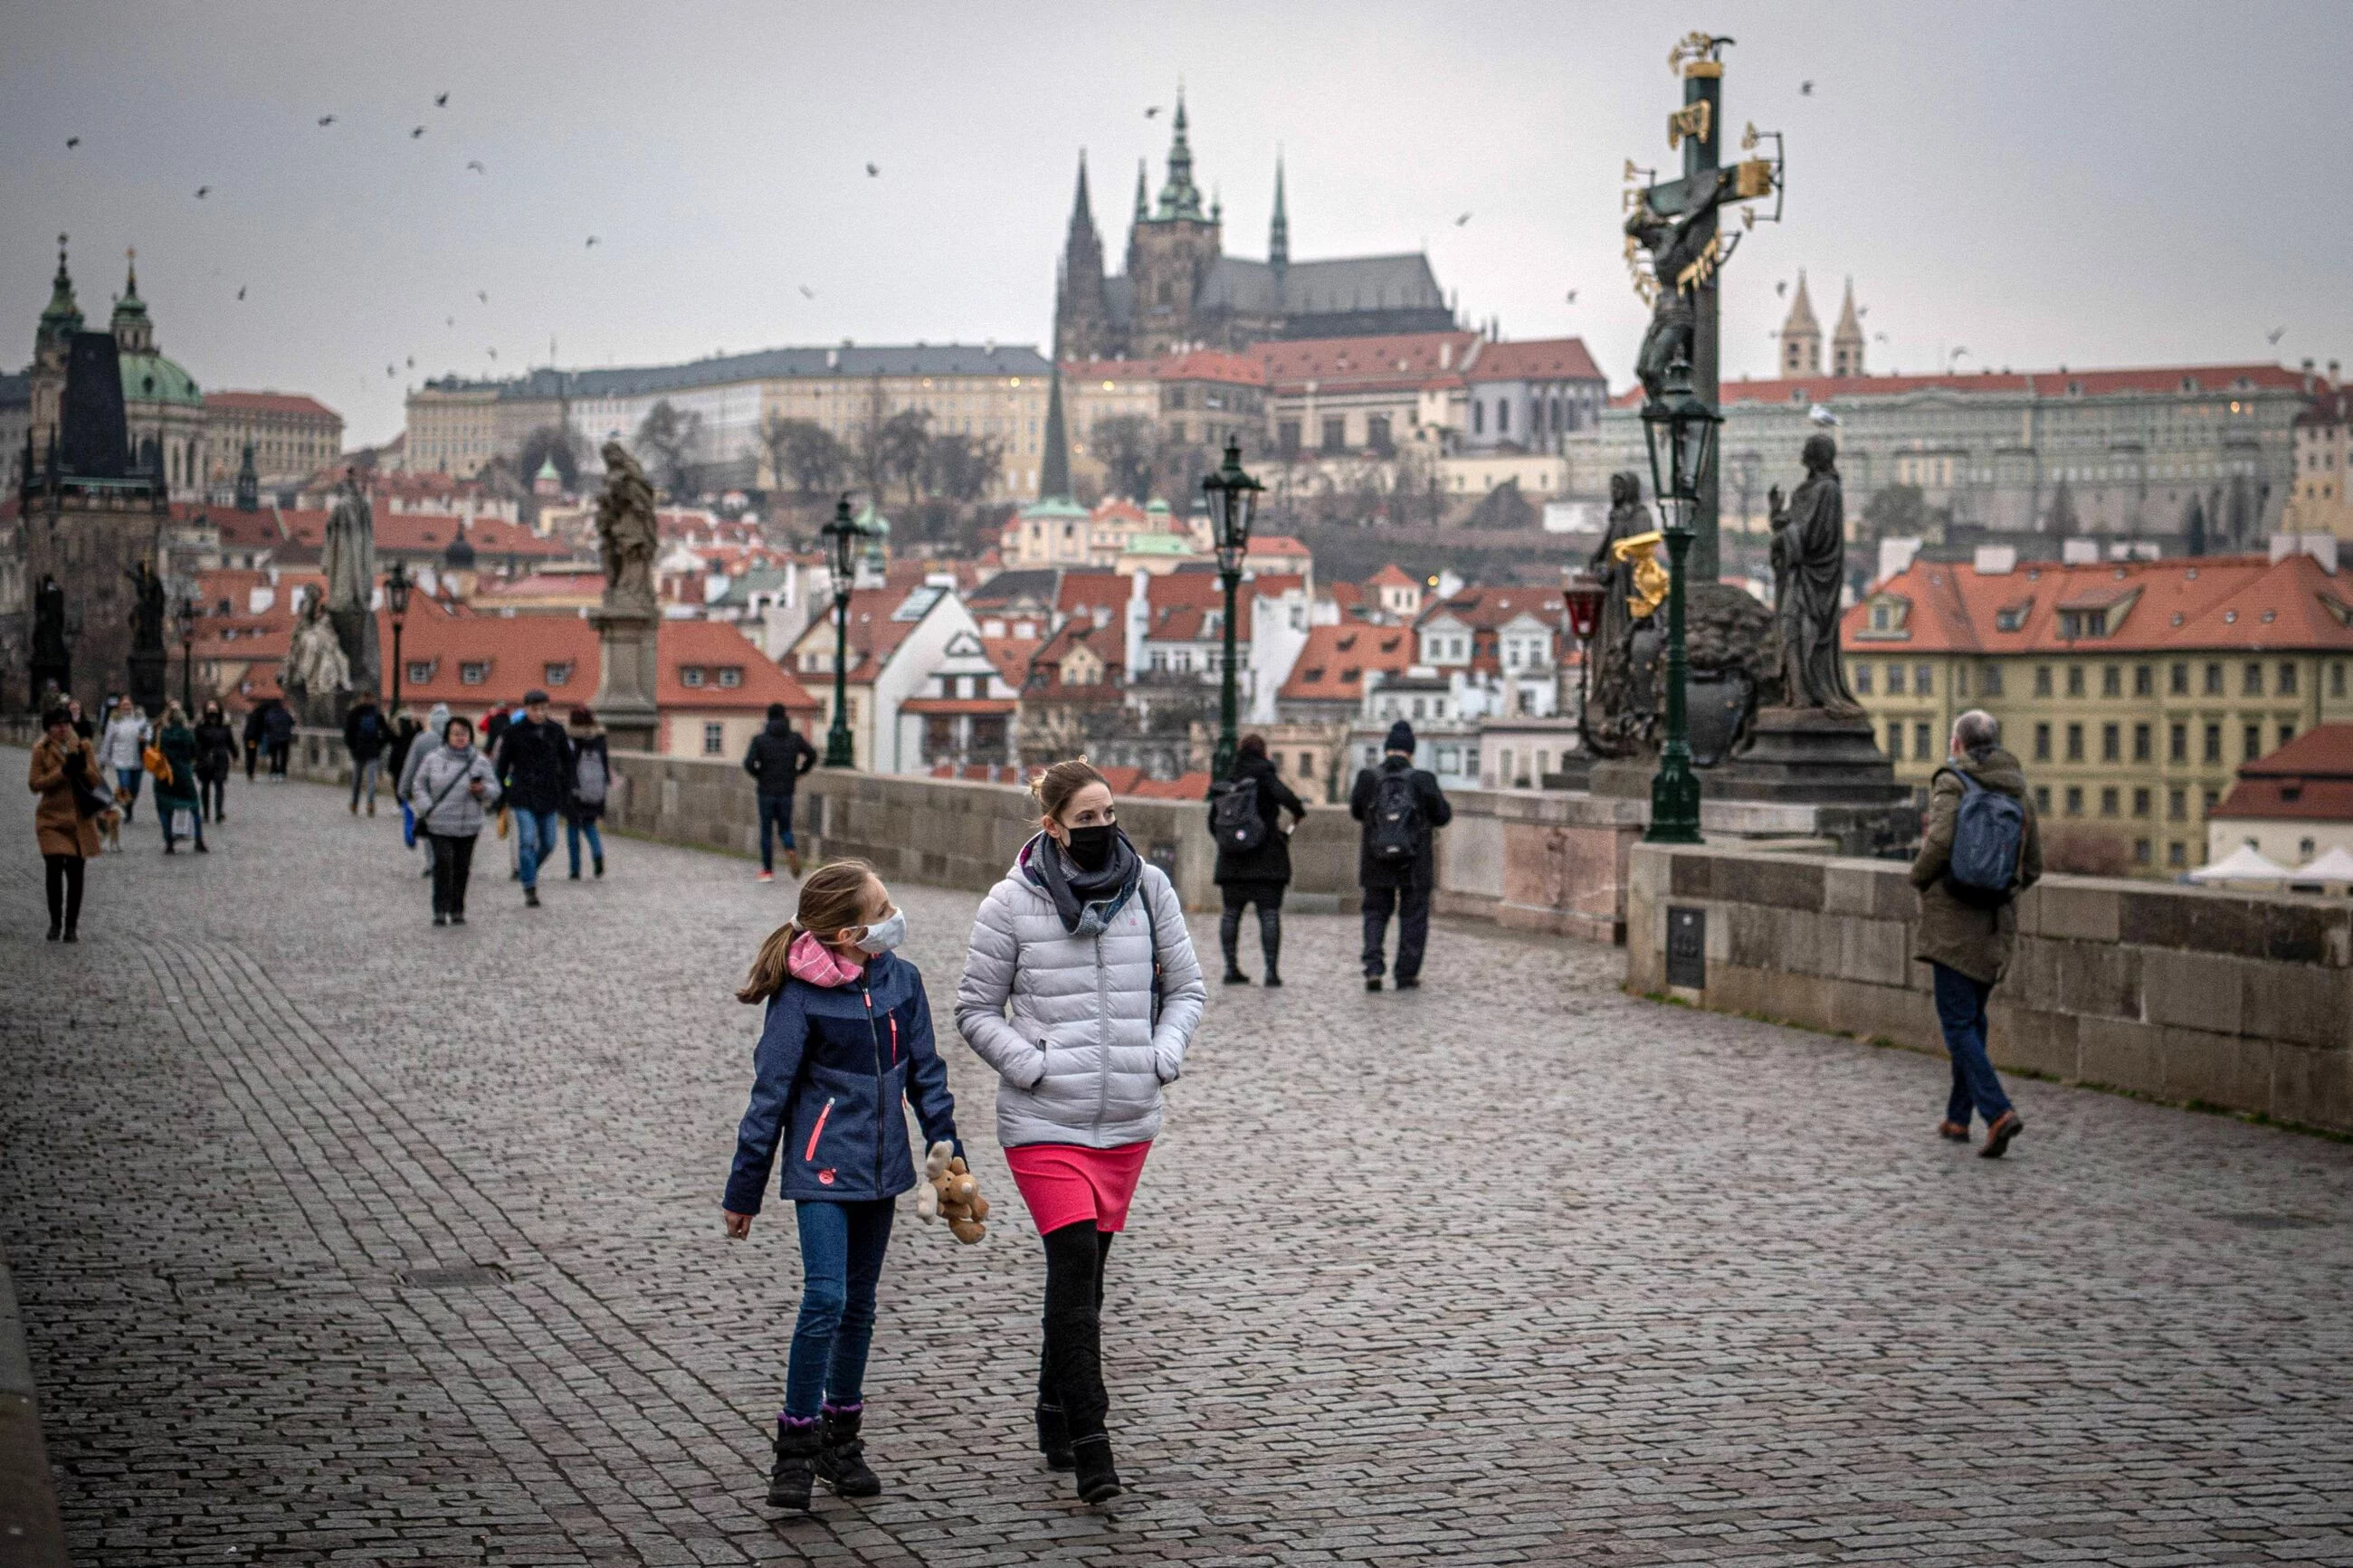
x=1091, y=847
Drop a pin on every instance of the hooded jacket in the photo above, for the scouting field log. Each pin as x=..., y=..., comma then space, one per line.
x=1959, y=935
x=587, y=741
x=1271, y=860
x=1435, y=814
x=428, y=742
x=1066, y=1020
x=777, y=758
x=832, y=1068
x=534, y=761
x=460, y=813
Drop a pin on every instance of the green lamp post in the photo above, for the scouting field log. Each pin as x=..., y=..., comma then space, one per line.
x=1232, y=495
x=397, y=585
x=842, y=536
x=1677, y=420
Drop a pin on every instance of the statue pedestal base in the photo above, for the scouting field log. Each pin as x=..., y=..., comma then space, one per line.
x=147, y=671
x=625, y=695
x=1805, y=757
x=355, y=632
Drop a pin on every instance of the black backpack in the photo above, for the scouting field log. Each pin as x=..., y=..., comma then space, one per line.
x=1394, y=831
x=1235, y=820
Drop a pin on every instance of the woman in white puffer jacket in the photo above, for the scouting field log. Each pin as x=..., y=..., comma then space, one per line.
x=1082, y=990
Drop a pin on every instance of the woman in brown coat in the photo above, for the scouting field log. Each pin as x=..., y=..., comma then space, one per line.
x=67, y=838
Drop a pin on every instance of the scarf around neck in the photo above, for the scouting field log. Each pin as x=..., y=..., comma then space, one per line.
x=1086, y=901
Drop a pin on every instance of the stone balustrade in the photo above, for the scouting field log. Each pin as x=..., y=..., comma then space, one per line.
x=2183, y=993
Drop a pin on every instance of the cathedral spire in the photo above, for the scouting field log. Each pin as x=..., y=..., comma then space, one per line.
x=1143, y=200
x=1082, y=217
x=1054, y=471
x=63, y=316
x=1278, y=233
x=133, y=333
x=1801, y=335
x=1180, y=198
x=1846, y=338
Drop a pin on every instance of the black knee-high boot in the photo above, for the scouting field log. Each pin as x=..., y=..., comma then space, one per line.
x=1074, y=1266
x=1269, y=943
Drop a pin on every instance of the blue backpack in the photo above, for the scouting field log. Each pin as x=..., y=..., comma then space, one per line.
x=1987, y=831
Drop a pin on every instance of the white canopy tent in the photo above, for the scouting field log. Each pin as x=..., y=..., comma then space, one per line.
x=2244, y=863
x=2337, y=866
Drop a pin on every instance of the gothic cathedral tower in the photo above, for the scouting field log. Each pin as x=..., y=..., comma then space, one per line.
x=1170, y=253
x=1801, y=336
x=1082, y=327
x=1846, y=340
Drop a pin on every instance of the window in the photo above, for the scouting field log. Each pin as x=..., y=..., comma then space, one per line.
x=2180, y=678
x=714, y=739
x=1286, y=436
x=2177, y=854
x=2140, y=801
x=1960, y=681
x=2286, y=733
x=2250, y=682
x=1896, y=681
x=420, y=672
x=731, y=675
x=2042, y=680
x=2074, y=742
x=2042, y=799
x=2213, y=743
x=474, y=671
x=2337, y=678
x=2110, y=743
x=2112, y=680
x=2286, y=678
x=2108, y=801
x=1924, y=680
x=1862, y=679
x=1503, y=416
x=2252, y=742
x=557, y=674
x=1307, y=764
x=1896, y=740
x=2141, y=856
x=2141, y=747
x=2304, y=847
x=1448, y=759
x=1335, y=434
x=1478, y=417
x=2042, y=742
x=2213, y=681
x=1992, y=678
x=1922, y=744
x=1377, y=433
x=2212, y=798
x=690, y=676
x=2144, y=680
x=2176, y=806
x=2074, y=800
x=2075, y=680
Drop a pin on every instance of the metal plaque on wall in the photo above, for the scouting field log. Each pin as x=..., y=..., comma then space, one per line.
x=1687, y=947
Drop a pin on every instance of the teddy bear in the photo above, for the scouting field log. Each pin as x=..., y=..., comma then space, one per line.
x=949, y=1190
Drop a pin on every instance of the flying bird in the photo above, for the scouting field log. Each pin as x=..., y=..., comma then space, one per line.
x=476, y=164
x=1152, y=112
x=412, y=362
x=1879, y=337
x=416, y=133
x=72, y=141
x=2274, y=334
x=1572, y=296
x=387, y=370
x=240, y=290
x=1463, y=219
x=440, y=100
x=203, y=191
x=872, y=172
x=484, y=296
x=493, y=353
x=807, y=292
x=1781, y=288
x=449, y=320
x=592, y=239
x=1805, y=90
x=326, y=119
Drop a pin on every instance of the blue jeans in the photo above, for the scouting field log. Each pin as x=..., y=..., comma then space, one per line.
x=126, y=781
x=167, y=809
x=841, y=1259
x=572, y=832
x=1961, y=1009
x=534, y=842
x=775, y=822
x=366, y=772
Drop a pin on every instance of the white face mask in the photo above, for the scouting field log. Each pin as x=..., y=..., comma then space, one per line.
x=885, y=935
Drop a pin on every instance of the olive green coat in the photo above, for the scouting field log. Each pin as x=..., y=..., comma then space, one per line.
x=1959, y=935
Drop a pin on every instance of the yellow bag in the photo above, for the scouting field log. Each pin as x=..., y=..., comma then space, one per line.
x=502, y=822
x=156, y=762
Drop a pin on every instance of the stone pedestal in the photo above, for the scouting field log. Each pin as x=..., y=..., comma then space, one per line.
x=625, y=695
x=355, y=632
x=147, y=682
x=1807, y=757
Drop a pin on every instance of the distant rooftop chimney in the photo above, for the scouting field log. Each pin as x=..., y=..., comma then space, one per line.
x=1997, y=560
x=2078, y=551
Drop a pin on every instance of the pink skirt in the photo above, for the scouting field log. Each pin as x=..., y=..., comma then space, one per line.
x=1064, y=1184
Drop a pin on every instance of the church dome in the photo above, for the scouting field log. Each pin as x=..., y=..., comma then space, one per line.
x=152, y=378
x=460, y=555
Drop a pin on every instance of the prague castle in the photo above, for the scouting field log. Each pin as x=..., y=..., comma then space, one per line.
x=1180, y=290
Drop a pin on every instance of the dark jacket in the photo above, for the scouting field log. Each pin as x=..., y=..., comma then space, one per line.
x=831, y=1069
x=1435, y=815
x=1958, y=934
x=366, y=742
x=178, y=744
x=215, y=749
x=255, y=718
x=404, y=735
x=534, y=764
x=1271, y=860
x=587, y=744
x=777, y=758
x=277, y=725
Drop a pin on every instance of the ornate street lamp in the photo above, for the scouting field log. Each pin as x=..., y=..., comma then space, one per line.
x=842, y=536
x=396, y=587
x=1679, y=422
x=1232, y=495
x=188, y=618
x=1581, y=597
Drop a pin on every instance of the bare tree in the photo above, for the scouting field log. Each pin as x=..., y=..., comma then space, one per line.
x=674, y=442
x=960, y=468
x=551, y=444
x=868, y=448
x=907, y=442
x=1129, y=449
x=803, y=454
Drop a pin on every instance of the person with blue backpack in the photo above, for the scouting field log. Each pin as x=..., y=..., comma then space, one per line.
x=1396, y=863
x=1981, y=847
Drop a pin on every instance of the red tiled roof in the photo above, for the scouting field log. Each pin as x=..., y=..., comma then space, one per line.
x=873, y=634
x=271, y=403
x=1212, y=364
x=1540, y=359
x=2324, y=751
x=714, y=646
x=1332, y=665
x=1365, y=364
x=958, y=705
x=1087, y=591
x=1277, y=544
x=1011, y=656
x=515, y=652
x=2309, y=779
x=1392, y=576
x=1484, y=609
x=2150, y=380
x=2240, y=602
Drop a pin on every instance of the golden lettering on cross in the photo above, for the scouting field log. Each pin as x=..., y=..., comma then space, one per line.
x=1692, y=120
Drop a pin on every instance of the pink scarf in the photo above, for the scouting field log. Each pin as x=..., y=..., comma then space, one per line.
x=812, y=960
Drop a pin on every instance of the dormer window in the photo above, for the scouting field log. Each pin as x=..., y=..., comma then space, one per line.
x=691, y=676
x=557, y=674
x=474, y=671
x=730, y=676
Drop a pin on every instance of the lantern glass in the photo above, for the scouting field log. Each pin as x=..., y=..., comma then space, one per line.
x=1583, y=597
x=1232, y=495
x=396, y=589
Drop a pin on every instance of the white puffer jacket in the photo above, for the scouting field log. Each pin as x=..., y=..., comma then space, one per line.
x=1078, y=1060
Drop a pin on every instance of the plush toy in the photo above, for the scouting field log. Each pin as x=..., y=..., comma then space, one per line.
x=950, y=1190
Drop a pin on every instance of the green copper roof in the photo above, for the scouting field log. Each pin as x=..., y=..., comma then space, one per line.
x=1053, y=508
x=152, y=378
x=63, y=313
x=1159, y=544
x=547, y=470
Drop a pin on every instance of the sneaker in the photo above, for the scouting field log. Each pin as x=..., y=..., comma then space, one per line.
x=1272, y=981
x=530, y=898
x=766, y=877
x=458, y=918
x=1236, y=977
x=1954, y=1131
x=2005, y=1127
x=1372, y=983
x=575, y=877
x=600, y=865
x=440, y=919
x=1408, y=982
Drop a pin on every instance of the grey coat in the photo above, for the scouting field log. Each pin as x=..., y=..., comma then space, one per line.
x=1076, y=1059
x=460, y=815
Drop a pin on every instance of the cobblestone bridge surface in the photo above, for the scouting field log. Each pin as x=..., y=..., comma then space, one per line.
x=342, y=1239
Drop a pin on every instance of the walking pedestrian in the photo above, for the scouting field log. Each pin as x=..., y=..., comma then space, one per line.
x=405, y=731
x=175, y=786
x=455, y=785
x=365, y=737
x=534, y=766
x=845, y=1042
x=1981, y=847
x=81, y=724
x=120, y=748
x=1082, y=990
x=215, y=755
x=278, y=736
x=1396, y=860
x=428, y=742
x=591, y=780
x=254, y=716
x=66, y=774
x=1254, y=856
x=777, y=759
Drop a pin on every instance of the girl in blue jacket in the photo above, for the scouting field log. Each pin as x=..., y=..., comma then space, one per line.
x=848, y=1038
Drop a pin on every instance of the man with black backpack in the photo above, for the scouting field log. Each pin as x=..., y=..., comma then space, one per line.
x=365, y=737
x=1980, y=849
x=1253, y=855
x=1397, y=864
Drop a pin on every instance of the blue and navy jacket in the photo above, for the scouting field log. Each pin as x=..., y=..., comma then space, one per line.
x=831, y=1072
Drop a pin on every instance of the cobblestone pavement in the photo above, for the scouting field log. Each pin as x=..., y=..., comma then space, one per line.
x=1512, y=1269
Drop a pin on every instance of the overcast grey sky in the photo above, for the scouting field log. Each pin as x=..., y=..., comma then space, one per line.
x=2040, y=183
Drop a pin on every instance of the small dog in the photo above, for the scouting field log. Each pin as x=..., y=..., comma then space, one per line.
x=110, y=823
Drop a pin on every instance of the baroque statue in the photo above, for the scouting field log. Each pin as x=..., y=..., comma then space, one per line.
x=626, y=535
x=1683, y=250
x=1809, y=573
x=146, y=609
x=50, y=623
x=1625, y=644
x=348, y=553
x=315, y=665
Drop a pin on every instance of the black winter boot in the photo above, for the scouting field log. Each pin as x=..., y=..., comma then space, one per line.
x=841, y=1454
x=795, y=1466
x=600, y=865
x=1098, y=1478
x=1054, y=1436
